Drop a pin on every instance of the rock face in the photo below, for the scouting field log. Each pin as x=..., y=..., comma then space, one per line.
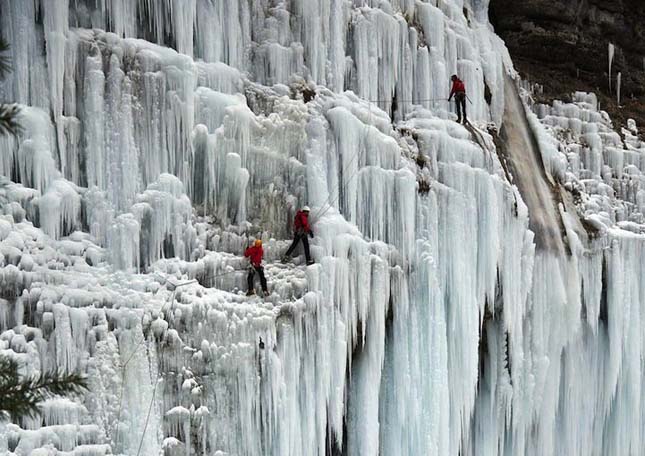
x=564, y=45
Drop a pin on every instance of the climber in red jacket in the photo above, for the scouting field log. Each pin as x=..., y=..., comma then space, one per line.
x=459, y=91
x=255, y=254
x=301, y=230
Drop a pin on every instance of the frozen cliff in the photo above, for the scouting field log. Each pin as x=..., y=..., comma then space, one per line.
x=477, y=290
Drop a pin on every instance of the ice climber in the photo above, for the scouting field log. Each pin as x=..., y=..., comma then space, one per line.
x=255, y=254
x=459, y=91
x=301, y=230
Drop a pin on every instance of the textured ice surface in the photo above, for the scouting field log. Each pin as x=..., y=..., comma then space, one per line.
x=161, y=136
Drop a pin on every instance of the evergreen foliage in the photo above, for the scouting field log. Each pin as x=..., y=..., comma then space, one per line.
x=22, y=395
x=8, y=112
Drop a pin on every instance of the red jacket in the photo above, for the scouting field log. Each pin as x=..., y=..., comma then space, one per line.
x=457, y=87
x=255, y=254
x=301, y=223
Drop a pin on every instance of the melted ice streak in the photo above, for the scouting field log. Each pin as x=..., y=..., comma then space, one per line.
x=431, y=323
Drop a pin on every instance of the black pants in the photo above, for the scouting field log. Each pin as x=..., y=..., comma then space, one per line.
x=263, y=280
x=305, y=243
x=460, y=100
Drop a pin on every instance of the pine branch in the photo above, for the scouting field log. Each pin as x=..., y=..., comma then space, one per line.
x=5, y=60
x=8, y=368
x=9, y=119
x=8, y=112
x=22, y=396
x=60, y=384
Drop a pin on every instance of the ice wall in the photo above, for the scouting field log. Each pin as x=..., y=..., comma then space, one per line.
x=161, y=136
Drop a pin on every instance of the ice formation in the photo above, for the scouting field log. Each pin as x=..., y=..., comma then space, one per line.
x=611, y=51
x=476, y=290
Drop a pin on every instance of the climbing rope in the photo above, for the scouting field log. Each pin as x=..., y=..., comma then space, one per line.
x=134, y=351
x=327, y=205
x=420, y=100
x=125, y=364
x=145, y=426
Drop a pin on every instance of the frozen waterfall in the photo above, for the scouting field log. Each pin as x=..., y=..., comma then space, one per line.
x=477, y=290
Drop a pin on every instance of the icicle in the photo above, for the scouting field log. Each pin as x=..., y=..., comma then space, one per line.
x=183, y=18
x=123, y=242
x=60, y=209
x=611, y=52
x=56, y=26
x=94, y=86
x=618, y=84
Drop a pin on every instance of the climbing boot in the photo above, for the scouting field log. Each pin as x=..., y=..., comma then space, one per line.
x=310, y=262
x=285, y=259
x=250, y=292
